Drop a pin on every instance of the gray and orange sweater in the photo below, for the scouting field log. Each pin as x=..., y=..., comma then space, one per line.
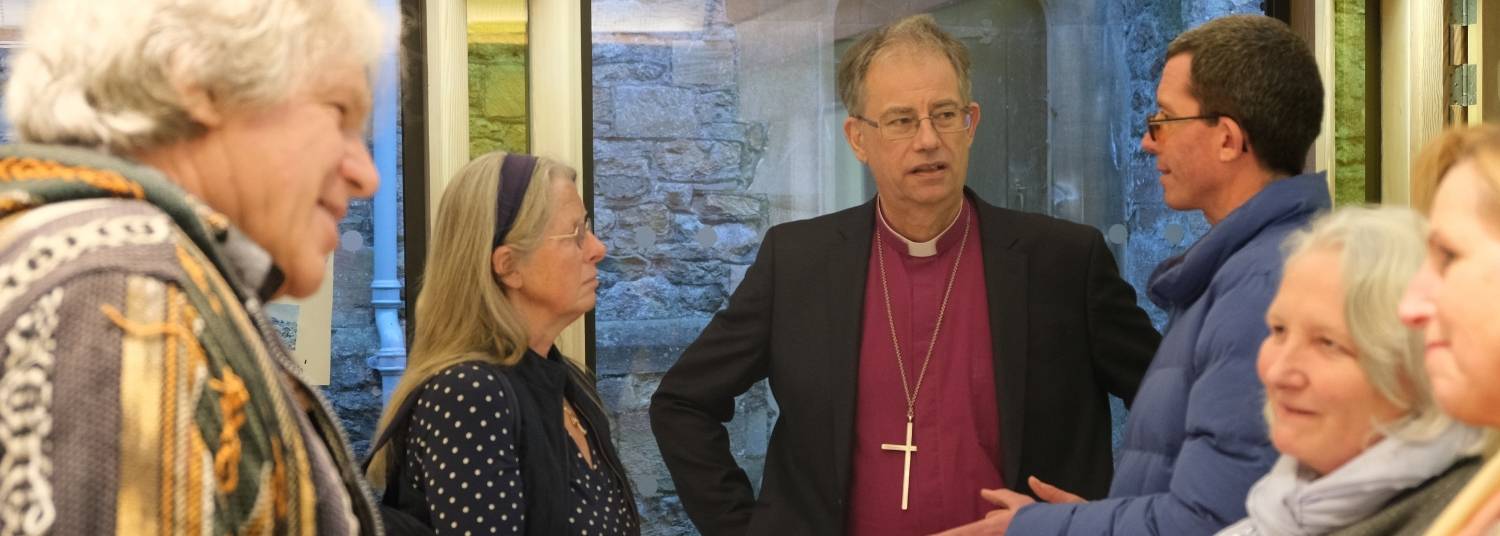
x=142, y=389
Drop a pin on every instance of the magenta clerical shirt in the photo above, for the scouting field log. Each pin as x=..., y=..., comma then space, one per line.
x=957, y=432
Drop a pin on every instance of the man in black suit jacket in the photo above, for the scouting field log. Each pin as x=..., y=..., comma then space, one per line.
x=1060, y=329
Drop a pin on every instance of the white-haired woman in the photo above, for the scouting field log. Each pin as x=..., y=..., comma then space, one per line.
x=491, y=429
x=183, y=162
x=1365, y=449
x=1455, y=300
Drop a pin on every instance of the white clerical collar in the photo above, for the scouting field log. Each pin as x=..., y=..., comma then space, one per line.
x=918, y=249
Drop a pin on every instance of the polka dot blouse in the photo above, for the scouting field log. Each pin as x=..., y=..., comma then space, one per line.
x=462, y=454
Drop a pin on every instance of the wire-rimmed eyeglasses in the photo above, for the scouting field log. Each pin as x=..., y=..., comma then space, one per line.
x=1154, y=123
x=900, y=126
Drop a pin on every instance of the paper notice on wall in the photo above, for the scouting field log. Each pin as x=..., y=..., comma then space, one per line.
x=284, y=316
x=307, y=327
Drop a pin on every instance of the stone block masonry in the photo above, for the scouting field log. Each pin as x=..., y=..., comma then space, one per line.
x=674, y=163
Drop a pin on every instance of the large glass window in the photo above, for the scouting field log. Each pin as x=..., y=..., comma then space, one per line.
x=716, y=119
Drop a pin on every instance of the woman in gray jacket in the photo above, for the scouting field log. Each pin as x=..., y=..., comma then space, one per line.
x=1365, y=449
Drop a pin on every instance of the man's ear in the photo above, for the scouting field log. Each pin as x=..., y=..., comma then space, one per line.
x=1232, y=140
x=973, y=119
x=856, y=138
x=503, y=264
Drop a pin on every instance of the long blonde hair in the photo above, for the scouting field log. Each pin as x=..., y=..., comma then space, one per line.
x=462, y=315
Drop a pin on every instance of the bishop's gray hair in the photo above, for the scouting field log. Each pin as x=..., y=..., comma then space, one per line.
x=917, y=31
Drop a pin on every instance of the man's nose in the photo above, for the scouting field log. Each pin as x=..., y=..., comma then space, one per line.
x=1148, y=142
x=927, y=134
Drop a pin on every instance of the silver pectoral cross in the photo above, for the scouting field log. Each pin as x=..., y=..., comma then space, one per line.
x=907, y=448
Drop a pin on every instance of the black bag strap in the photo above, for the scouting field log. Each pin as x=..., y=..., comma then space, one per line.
x=398, y=422
x=390, y=498
x=393, y=517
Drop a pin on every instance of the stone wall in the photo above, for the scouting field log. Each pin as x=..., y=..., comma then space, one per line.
x=354, y=388
x=673, y=168
x=497, y=98
x=1195, y=12
x=1350, y=102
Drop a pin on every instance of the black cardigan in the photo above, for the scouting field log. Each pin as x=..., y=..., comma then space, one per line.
x=538, y=386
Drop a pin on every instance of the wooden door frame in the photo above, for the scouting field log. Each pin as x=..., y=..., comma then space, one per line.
x=1413, y=88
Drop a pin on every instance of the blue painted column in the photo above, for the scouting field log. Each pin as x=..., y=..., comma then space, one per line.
x=385, y=286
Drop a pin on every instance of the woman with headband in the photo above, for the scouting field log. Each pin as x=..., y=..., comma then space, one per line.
x=492, y=430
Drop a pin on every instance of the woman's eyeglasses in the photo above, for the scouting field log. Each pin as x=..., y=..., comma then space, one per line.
x=580, y=233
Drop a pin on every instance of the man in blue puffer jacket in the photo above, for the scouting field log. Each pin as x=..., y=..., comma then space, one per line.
x=1240, y=103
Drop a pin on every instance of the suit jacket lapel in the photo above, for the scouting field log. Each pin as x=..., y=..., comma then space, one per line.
x=848, y=265
x=1005, y=279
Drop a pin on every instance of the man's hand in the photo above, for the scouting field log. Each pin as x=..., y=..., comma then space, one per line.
x=996, y=521
x=1051, y=493
x=989, y=526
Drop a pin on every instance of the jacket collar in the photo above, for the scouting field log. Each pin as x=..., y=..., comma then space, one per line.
x=1181, y=279
x=553, y=378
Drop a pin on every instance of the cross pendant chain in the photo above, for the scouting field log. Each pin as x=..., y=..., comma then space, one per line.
x=909, y=390
x=908, y=449
x=885, y=292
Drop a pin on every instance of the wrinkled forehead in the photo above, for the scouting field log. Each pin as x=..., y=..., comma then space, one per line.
x=896, y=74
x=912, y=53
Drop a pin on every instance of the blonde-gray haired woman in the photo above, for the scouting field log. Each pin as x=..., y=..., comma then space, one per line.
x=184, y=162
x=491, y=427
x=1365, y=449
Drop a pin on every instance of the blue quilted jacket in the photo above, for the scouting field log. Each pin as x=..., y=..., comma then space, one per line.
x=1196, y=439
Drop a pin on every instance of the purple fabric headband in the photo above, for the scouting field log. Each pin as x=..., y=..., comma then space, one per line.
x=515, y=177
